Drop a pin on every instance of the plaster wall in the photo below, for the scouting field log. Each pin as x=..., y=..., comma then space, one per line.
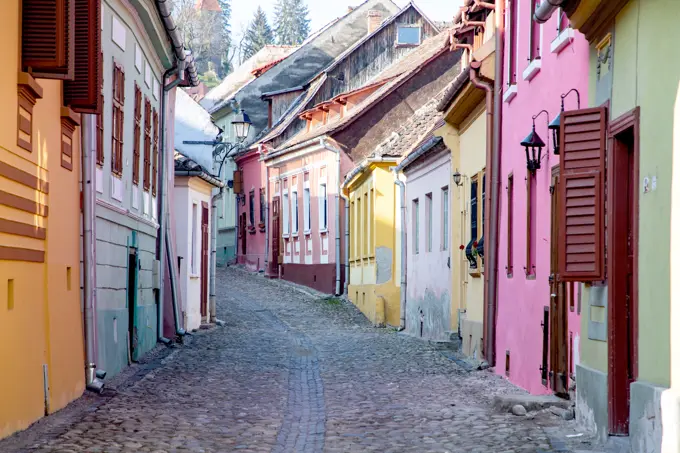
x=429, y=274
x=521, y=297
x=40, y=309
x=254, y=175
x=190, y=192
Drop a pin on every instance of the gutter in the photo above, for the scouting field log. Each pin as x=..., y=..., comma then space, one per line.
x=186, y=61
x=546, y=10
x=422, y=149
x=404, y=265
x=201, y=174
x=270, y=94
x=304, y=144
x=453, y=89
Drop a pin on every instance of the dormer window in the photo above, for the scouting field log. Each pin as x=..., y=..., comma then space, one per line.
x=409, y=35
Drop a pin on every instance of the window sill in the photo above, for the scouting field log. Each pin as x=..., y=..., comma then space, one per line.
x=194, y=276
x=308, y=232
x=295, y=235
x=402, y=45
x=531, y=70
x=323, y=231
x=510, y=93
x=562, y=40
x=475, y=273
x=531, y=276
x=285, y=235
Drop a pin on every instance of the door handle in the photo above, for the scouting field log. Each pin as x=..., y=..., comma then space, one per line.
x=553, y=296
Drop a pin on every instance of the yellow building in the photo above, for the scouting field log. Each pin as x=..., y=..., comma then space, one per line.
x=374, y=241
x=41, y=335
x=465, y=134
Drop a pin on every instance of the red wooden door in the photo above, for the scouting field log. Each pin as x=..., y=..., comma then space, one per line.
x=276, y=233
x=557, y=331
x=622, y=276
x=205, y=258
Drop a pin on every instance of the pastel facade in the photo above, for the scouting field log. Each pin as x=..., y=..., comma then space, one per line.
x=41, y=328
x=134, y=59
x=375, y=242
x=250, y=189
x=639, y=89
x=429, y=247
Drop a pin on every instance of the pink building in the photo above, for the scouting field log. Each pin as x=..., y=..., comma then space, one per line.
x=251, y=207
x=542, y=62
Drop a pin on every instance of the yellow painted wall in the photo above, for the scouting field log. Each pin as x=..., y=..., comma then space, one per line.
x=42, y=323
x=374, y=245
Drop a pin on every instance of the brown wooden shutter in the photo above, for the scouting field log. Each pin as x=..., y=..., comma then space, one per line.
x=47, y=38
x=154, y=159
x=137, y=131
x=82, y=93
x=238, y=179
x=147, y=145
x=582, y=173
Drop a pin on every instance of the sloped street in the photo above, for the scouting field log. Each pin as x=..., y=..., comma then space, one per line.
x=291, y=373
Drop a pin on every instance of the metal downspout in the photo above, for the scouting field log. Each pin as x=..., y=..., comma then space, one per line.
x=488, y=88
x=338, y=279
x=92, y=376
x=346, y=258
x=173, y=285
x=545, y=10
x=404, y=267
x=213, y=256
x=266, y=214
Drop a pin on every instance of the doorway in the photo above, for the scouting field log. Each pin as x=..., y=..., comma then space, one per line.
x=276, y=235
x=622, y=267
x=205, y=259
x=132, y=303
x=242, y=232
x=557, y=325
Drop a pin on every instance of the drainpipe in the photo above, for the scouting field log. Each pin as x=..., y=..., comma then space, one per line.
x=93, y=377
x=337, y=152
x=346, y=260
x=161, y=242
x=404, y=268
x=545, y=10
x=266, y=214
x=213, y=262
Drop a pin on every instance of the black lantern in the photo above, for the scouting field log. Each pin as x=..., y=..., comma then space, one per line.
x=241, y=124
x=457, y=178
x=533, y=145
x=555, y=125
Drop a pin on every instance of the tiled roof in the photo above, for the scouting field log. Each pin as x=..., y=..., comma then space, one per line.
x=185, y=164
x=398, y=72
x=413, y=132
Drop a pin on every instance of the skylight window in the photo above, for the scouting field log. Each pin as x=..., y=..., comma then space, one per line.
x=408, y=35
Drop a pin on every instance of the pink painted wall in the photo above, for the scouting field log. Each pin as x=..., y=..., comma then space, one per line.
x=253, y=179
x=521, y=300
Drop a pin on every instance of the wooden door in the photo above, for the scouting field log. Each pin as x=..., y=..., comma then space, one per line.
x=558, y=324
x=205, y=258
x=242, y=230
x=622, y=272
x=132, y=303
x=276, y=234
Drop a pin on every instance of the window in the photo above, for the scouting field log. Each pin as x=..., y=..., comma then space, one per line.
x=137, y=135
x=147, y=144
x=307, y=209
x=445, y=218
x=530, y=268
x=296, y=213
x=118, y=103
x=510, y=239
x=263, y=205
x=428, y=221
x=47, y=46
x=154, y=157
x=286, y=214
x=416, y=226
x=323, y=207
x=367, y=223
x=251, y=199
x=360, y=236
x=534, y=34
x=100, y=136
x=194, y=238
x=409, y=35
x=353, y=232
x=512, y=41
x=474, y=187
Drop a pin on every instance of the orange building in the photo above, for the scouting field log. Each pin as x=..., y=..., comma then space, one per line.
x=49, y=75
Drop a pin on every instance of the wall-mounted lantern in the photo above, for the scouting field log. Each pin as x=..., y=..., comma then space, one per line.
x=533, y=145
x=554, y=125
x=241, y=124
x=457, y=178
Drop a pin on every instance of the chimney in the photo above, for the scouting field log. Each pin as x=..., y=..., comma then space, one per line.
x=374, y=20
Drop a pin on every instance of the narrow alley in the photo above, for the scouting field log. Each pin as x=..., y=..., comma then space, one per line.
x=288, y=373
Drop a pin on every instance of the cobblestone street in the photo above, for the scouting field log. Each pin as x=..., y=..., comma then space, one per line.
x=292, y=373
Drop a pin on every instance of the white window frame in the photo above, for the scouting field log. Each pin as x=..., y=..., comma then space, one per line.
x=286, y=213
x=323, y=207
x=416, y=226
x=307, y=207
x=420, y=34
x=445, y=218
x=295, y=213
x=428, y=222
x=194, y=238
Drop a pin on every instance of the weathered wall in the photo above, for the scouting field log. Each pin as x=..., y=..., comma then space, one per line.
x=40, y=310
x=429, y=276
x=522, y=298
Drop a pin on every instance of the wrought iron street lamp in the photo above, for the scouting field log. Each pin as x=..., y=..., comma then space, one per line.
x=555, y=125
x=457, y=178
x=533, y=145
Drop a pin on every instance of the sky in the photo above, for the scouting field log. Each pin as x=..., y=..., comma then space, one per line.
x=323, y=11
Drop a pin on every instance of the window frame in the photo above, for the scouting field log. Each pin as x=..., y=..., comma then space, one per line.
x=194, y=237
x=530, y=267
x=118, y=119
x=323, y=207
x=147, y=144
x=512, y=16
x=307, y=209
x=285, y=205
x=251, y=207
x=534, y=34
x=445, y=218
x=409, y=26
x=296, y=212
x=416, y=226
x=263, y=203
x=428, y=222
x=136, y=139
x=510, y=188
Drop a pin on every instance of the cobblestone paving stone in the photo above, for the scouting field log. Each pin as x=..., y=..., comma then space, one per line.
x=291, y=373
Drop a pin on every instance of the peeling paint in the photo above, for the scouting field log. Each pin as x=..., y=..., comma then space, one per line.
x=383, y=259
x=434, y=311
